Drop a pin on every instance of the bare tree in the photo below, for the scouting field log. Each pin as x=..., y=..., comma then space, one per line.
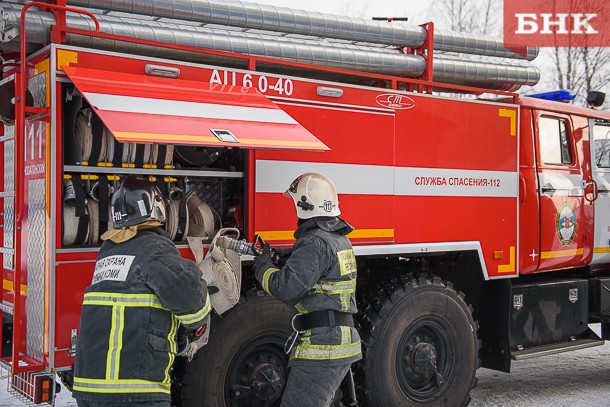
x=475, y=16
x=579, y=67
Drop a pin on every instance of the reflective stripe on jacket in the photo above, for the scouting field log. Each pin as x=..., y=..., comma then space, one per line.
x=142, y=291
x=319, y=275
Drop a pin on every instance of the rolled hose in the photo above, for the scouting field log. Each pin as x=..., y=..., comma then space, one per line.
x=172, y=222
x=94, y=221
x=201, y=216
x=221, y=268
x=84, y=138
x=83, y=135
x=162, y=161
x=71, y=226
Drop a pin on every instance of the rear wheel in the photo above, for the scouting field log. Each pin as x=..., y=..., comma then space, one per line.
x=421, y=345
x=244, y=362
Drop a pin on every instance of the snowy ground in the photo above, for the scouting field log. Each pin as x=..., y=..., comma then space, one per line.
x=573, y=379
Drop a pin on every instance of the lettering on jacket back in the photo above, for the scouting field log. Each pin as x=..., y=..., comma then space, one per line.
x=112, y=268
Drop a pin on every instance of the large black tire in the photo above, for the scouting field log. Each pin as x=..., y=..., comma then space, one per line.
x=244, y=362
x=410, y=324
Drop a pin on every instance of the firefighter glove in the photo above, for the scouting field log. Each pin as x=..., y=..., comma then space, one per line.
x=195, y=341
x=263, y=260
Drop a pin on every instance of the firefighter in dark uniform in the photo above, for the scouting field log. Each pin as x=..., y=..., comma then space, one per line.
x=319, y=280
x=145, y=305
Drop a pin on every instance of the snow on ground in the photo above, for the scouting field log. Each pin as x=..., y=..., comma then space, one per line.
x=63, y=399
x=572, y=379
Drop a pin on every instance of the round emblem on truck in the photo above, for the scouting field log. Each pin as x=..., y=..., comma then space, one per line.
x=394, y=101
x=565, y=223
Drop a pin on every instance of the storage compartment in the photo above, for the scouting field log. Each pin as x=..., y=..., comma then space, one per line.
x=203, y=186
x=548, y=313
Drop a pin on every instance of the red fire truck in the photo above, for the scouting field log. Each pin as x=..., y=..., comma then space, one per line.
x=482, y=225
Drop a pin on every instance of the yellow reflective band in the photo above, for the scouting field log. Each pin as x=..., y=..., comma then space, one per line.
x=265, y=280
x=115, y=343
x=345, y=301
x=119, y=348
x=306, y=338
x=125, y=300
x=8, y=286
x=299, y=307
x=272, y=235
x=346, y=335
x=334, y=287
x=197, y=316
x=173, y=348
x=120, y=386
x=120, y=295
x=325, y=352
x=562, y=253
x=347, y=261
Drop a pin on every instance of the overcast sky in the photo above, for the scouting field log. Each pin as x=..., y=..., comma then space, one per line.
x=418, y=12
x=415, y=10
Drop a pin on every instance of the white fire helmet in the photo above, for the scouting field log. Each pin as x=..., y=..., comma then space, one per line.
x=314, y=195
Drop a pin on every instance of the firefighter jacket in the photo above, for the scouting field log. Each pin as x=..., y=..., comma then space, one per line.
x=141, y=292
x=320, y=274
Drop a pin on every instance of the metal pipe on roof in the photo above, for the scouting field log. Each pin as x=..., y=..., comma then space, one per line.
x=267, y=17
x=365, y=59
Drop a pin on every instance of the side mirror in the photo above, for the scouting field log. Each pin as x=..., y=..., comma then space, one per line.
x=596, y=99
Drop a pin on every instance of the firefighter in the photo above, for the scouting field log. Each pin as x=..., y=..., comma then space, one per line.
x=319, y=280
x=145, y=305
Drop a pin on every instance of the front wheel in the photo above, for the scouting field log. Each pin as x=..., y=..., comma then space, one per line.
x=244, y=362
x=421, y=345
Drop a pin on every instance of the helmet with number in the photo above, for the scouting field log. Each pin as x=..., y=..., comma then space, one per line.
x=136, y=201
x=314, y=195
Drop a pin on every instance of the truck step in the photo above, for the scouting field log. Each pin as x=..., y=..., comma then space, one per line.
x=31, y=388
x=544, y=350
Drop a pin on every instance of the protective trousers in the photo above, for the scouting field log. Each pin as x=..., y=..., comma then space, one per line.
x=313, y=386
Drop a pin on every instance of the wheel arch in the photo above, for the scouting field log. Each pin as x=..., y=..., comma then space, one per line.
x=460, y=263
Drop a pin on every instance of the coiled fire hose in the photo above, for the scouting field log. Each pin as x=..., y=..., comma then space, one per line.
x=75, y=220
x=90, y=136
x=75, y=228
x=162, y=155
x=201, y=216
x=221, y=269
x=177, y=223
x=97, y=144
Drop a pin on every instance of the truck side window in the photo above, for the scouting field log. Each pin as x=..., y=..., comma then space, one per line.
x=601, y=136
x=554, y=141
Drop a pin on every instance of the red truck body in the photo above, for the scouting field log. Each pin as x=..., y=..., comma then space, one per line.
x=505, y=199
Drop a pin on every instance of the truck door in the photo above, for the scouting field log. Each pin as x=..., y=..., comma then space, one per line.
x=563, y=174
x=600, y=165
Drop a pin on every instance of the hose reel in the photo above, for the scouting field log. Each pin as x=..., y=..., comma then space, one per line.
x=97, y=144
x=221, y=269
x=201, y=216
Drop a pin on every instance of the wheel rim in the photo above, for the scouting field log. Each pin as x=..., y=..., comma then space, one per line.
x=257, y=375
x=427, y=343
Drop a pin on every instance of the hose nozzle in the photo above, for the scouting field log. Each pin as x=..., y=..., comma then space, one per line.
x=240, y=246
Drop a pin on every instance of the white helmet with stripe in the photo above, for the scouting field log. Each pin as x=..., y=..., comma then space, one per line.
x=314, y=195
